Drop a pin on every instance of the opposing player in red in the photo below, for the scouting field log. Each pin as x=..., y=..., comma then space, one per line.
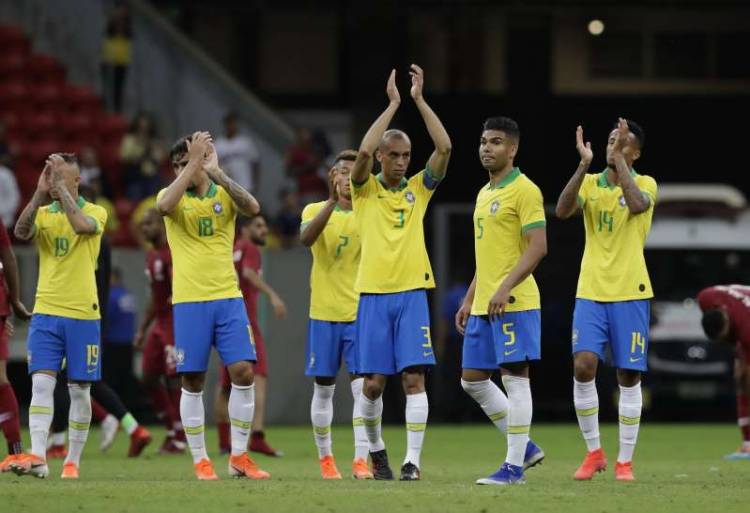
x=251, y=234
x=9, y=300
x=157, y=342
x=726, y=318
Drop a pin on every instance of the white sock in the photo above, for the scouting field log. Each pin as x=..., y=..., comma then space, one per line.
x=321, y=415
x=417, y=410
x=586, y=402
x=241, y=411
x=631, y=403
x=79, y=420
x=491, y=399
x=361, y=444
x=41, y=409
x=58, y=438
x=193, y=418
x=519, y=418
x=371, y=416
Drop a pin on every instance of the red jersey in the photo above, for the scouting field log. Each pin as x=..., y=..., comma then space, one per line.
x=159, y=273
x=4, y=303
x=247, y=256
x=735, y=299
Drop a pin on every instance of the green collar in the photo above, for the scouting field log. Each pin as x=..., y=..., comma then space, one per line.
x=337, y=208
x=55, y=207
x=603, y=180
x=209, y=194
x=401, y=186
x=515, y=173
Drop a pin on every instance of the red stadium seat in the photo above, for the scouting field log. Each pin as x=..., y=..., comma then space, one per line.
x=45, y=68
x=41, y=125
x=41, y=149
x=13, y=38
x=13, y=93
x=13, y=64
x=27, y=176
x=111, y=127
x=111, y=165
x=79, y=124
x=81, y=98
x=46, y=95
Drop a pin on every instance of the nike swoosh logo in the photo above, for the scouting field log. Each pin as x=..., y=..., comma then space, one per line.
x=187, y=208
x=507, y=353
x=381, y=197
x=633, y=360
x=426, y=353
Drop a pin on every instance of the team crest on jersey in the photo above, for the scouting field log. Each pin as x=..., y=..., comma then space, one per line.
x=494, y=207
x=218, y=208
x=179, y=356
x=622, y=201
x=409, y=196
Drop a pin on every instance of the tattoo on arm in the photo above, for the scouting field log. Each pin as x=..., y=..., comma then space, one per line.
x=244, y=201
x=80, y=222
x=568, y=201
x=24, y=229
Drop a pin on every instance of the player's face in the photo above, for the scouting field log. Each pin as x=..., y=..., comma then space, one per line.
x=179, y=163
x=152, y=226
x=496, y=149
x=258, y=231
x=344, y=169
x=394, y=156
x=630, y=151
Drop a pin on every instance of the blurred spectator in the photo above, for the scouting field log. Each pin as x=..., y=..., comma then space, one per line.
x=9, y=195
x=238, y=155
x=142, y=154
x=116, y=56
x=89, y=166
x=6, y=156
x=117, y=364
x=135, y=219
x=287, y=221
x=303, y=163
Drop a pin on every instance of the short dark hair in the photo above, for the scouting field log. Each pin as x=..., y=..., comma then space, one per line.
x=713, y=322
x=637, y=131
x=69, y=158
x=179, y=148
x=350, y=155
x=503, y=124
x=243, y=221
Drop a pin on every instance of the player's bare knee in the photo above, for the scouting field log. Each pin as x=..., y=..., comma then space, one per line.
x=628, y=378
x=193, y=381
x=413, y=381
x=372, y=388
x=241, y=374
x=584, y=367
x=325, y=381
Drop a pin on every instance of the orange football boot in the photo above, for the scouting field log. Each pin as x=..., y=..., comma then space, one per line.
x=624, y=471
x=204, y=470
x=328, y=468
x=594, y=462
x=360, y=469
x=243, y=466
x=70, y=471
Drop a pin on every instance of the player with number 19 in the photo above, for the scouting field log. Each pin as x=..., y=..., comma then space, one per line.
x=612, y=302
x=500, y=316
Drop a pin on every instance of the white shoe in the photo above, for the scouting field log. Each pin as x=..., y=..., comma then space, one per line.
x=109, y=428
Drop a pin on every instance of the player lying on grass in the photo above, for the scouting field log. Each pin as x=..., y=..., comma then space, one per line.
x=330, y=231
x=199, y=208
x=393, y=319
x=726, y=318
x=613, y=304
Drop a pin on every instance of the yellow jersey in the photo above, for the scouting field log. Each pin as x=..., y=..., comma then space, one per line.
x=390, y=224
x=336, y=255
x=67, y=262
x=502, y=216
x=613, y=266
x=200, y=231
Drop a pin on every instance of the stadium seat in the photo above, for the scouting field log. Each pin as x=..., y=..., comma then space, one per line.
x=41, y=149
x=111, y=128
x=44, y=68
x=13, y=38
x=79, y=125
x=13, y=93
x=81, y=99
x=13, y=64
x=27, y=176
x=111, y=165
x=41, y=125
x=45, y=95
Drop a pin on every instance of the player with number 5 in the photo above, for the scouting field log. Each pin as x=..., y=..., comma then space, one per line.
x=200, y=208
x=612, y=302
x=65, y=328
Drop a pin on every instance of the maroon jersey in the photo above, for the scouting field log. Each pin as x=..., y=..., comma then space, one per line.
x=247, y=256
x=159, y=272
x=735, y=299
x=4, y=303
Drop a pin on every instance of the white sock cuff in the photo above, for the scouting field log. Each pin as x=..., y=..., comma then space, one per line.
x=631, y=395
x=242, y=387
x=416, y=400
x=39, y=379
x=357, y=385
x=78, y=391
x=192, y=394
x=584, y=387
x=517, y=383
x=323, y=391
x=474, y=386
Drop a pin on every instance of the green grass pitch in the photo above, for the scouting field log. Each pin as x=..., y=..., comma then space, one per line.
x=679, y=468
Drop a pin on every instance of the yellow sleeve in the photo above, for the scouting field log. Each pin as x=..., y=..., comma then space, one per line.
x=530, y=208
x=364, y=190
x=173, y=214
x=416, y=183
x=584, y=190
x=99, y=215
x=649, y=188
x=41, y=215
x=309, y=213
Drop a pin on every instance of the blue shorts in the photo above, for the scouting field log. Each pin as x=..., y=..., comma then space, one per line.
x=221, y=323
x=621, y=325
x=393, y=332
x=52, y=338
x=327, y=343
x=514, y=337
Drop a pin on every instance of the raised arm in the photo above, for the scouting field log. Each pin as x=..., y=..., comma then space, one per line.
x=24, y=229
x=536, y=250
x=10, y=270
x=567, y=203
x=312, y=230
x=197, y=147
x=636, y=200
x=438, y=162
x=80, y=222
x=363, y=165
x=243, y=200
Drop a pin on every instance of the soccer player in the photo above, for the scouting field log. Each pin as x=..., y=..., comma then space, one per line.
x=613, y=299
x=501, y=314
x=9, y=300
x=726, y=318
x=247, y=261
x=155, y=334
x=199, y=208
x=393, y=320
x=65, y=324
x=329, y=230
